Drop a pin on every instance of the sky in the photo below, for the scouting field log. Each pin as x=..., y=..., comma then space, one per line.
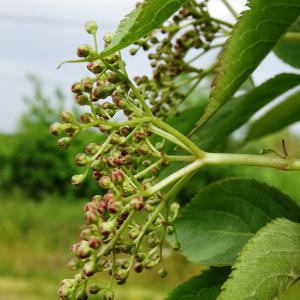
x=37, y=35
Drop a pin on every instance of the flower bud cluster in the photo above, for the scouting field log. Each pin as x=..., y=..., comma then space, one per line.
x=115, y=238
x=190, y=29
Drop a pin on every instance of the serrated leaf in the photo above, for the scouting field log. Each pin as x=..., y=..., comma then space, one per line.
x=253, y=37
x=268, y=264
x=206, y=286
x=239, y=110
x=223, y=216
x=279, y=117
x=288, y=48
x=142, y=20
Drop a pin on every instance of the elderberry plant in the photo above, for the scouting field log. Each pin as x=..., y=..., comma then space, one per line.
x=128, y=221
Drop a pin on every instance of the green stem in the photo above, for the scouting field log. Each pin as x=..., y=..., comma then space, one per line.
x=291, y=37
x=182, y=138
x=284, y=164
x=230, y=8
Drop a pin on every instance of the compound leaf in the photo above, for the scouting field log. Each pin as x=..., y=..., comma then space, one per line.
x=223, y=216
x=268, y=264
x=288, y=48
x=206, y=286
x=146, y=17
x=279, y=117
x=253, y=37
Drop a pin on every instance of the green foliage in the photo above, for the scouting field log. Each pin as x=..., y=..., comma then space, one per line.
x=252, y=38
x=146, y=17
x=223, y=216
x=239, y=110
x=268, y=264
x=206, y=286
x=285, y=113
x=31, y=159
x=288, y=48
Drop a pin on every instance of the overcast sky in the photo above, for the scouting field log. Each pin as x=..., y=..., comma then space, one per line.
x=37, y=35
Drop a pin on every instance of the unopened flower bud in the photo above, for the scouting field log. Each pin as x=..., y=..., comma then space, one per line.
x=94, y=289
x=108, y=295
x=81, y=295
x=108, y=37
x=162, y=273
x=133, y=51
x=91, y=217
x=96, y=67
x=84, y=50
x=138, y=267
x=56, y=129
x=82, y=99
x=91, y=27
x=106, y=183
x=64, y=142
x=92, y=148
x=107, y=227
x=77, y=88
x=114, y=207
x=87, y=84
x=137, y=203
x=82, y=159
x=73, y=264
x=176, y=246
x=67, y=117
x=86, y=118
x=94, y=242
x=121, y=276
x=133, y=233
x=82, y=249
x=116, y=176
x=89, y=268
x=78, y=179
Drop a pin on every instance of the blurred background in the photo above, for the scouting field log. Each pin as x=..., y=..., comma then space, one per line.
x=40, y=212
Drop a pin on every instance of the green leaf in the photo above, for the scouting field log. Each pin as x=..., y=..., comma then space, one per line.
x=206, y=286
x=252, y=38
x=223, y=216
x=239, y=110
x=279, y=117
x=268, y=264
x=288, y=48
x=142, y=20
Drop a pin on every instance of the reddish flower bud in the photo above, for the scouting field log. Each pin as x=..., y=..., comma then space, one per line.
x=94, y=242
x=106, y=183
x=116, y=176
x=137, y=203
x=64, y=142
x=56, y=129
x=89, y=268
x=91, y=217
x=84, y=50
x=114, y=207
x=107, y=227
x=67, y=117
x=77, y=88
x=82, y=249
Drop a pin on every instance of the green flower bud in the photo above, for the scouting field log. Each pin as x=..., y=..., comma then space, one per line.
x=108, y=295
x=121, y=276
x=106, y=183
x=133, y=233
x=92, y=148
x=78, y=179
x=170, y=230
x=82, y=159
x=74, y=264
x=56, y=129
x=77, y=88
x=87, y=84
x=86, y=118
x=137, y=203
x=65, y=288
x=64, y=142
x=91, y=217
x=67, y=117
x=174, y=207
x=91, y=27
x=89, y=268
x=94, y=289
x=81, y=295
x=108, y=37
x=140, y=257
x=82, y=99
x=84, y=50
x=82, y=249
x=96, y=67
x=133, y=51
x=176, y=246
x=162, y=273
x=107, y=227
